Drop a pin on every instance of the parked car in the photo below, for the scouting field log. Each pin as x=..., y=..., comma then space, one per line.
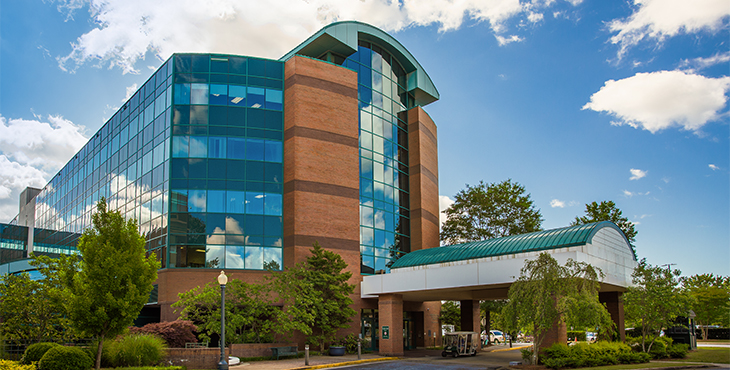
x=496, y=336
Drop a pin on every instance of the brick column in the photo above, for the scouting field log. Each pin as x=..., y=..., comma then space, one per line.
x=470, y=318
x=615, y=306
x=423, y=180
x=557, y=334
x=390, y=314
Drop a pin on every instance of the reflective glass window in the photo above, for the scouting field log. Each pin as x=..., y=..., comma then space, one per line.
x=218, y=94
x=237, y=95
x=196, y=200
x=254, y=258
x=198, y=146
x=198, y=93
x=274, y=151
x=182, y=93
x=214, y=256
x=273, y=204
x=216, y=201
x=216, y=147
x=274, y=99
x=236, y=201
x=235, y=257
x=255, y=149
x=180, y=146
x=255, y=97
x=255, y=203
x=273, y=256
x=236, y=148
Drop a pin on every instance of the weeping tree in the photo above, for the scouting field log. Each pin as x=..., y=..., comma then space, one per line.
x=548, y=294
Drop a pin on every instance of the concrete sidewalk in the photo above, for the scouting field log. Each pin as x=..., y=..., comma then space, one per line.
x=315, y=362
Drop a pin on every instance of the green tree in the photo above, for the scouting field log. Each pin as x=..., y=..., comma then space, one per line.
x=607, y=211
x=451, y=314
x=547, y=294
x=250, y=314
x=114, y=279
x=491, y=312
x=28, y=311
x=710, y=299
x=316, y=295
x=654, y=301
x=487, y=211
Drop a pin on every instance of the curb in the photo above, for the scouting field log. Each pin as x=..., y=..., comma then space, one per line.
x=507, y=349
x=347, y=363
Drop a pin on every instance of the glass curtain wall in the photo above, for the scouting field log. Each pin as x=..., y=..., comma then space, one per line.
x=226, y=170
x=195, y=156
x=127, y=162
x=384, y=199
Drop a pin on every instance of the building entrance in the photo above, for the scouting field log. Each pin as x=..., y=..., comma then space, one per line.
x=369, y=329
x=408, y=332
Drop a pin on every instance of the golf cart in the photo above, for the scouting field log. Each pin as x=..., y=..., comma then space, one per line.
x=460, y=343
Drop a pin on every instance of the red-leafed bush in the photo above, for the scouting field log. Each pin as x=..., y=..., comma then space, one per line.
x=175, y=333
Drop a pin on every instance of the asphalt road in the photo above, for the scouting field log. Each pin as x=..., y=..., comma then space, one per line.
x=433, y=360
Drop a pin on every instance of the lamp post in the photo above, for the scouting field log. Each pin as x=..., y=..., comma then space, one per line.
x=222, y=280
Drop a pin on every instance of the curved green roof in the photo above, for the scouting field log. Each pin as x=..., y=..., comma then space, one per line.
x=342, y=38
x=532, y=242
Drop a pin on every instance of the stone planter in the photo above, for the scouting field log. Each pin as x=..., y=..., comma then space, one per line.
x=337, y=350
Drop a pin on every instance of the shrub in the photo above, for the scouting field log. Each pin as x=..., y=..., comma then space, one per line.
x=586, y=355
x=527, y=355
x=349, y=342
x=14, y=365
x=35, y=351
x=678, y=350
x=135, y=350
x=65, y=358
x=174, y=333
x=659, y=348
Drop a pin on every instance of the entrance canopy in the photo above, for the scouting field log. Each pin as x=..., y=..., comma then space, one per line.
x=484, y=270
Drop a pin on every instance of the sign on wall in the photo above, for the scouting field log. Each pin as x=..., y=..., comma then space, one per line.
x=386, y=332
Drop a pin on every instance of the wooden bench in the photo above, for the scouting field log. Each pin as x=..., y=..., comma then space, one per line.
x=283, y=351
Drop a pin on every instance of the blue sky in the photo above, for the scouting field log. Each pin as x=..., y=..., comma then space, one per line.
x=579, y=101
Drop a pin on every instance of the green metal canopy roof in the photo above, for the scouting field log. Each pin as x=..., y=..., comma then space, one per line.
x=342, y=38
x=532, y=242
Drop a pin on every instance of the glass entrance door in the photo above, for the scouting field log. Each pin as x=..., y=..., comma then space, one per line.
x=408, y=331
x=369, y=330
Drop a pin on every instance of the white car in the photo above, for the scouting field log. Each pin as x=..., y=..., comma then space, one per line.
x=496, y=336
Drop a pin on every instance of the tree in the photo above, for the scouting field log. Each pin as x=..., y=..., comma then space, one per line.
x=451, y=314
x=710, y=299
x=654, y=301
x=487, y=211
x=28, y=311
x=316, y=295
x=250, y=314
x=547, y=294
x=114, y=279
x=491, y=311
x=607, y=211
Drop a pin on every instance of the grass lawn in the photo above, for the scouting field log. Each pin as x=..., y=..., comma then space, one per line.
x=716, y=355
x=647, y=365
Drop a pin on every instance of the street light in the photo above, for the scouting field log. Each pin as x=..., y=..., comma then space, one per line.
x=222, y=280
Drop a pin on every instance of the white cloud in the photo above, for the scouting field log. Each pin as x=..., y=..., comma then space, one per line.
x=502, y=41
x=444, y=203
x=660, y=19
x=130, y=91
x=628, y=193
x=557, y=203
x=31, y=151
x=636, y=174
x=126, y=30
x=659, y=100
x=713, y=167
x=535, y=17
x=692, y=65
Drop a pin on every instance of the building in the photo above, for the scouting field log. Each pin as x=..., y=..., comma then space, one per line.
x=234, y=162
